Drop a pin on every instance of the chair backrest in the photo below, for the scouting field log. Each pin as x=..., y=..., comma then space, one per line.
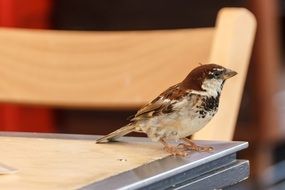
x=123, y=69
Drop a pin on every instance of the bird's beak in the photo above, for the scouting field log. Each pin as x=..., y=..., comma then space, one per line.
x=229, y=73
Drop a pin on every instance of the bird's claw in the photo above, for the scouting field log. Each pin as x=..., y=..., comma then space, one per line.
x=175, y=151
x=196, y=148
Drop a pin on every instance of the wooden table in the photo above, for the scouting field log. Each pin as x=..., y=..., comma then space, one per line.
x=60, y=161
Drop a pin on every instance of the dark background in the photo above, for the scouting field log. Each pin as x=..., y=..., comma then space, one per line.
x=138, y=14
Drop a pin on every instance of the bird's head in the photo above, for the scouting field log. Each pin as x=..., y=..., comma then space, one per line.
x=208, y=77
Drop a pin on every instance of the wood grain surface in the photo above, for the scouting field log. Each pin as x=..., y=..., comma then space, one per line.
x=96, y=69
x=69, y=164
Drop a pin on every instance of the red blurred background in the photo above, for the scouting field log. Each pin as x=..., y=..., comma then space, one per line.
x=25, y=14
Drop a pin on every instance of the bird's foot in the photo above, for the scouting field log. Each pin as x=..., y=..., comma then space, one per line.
x=195, y=148
x=189, y=145
x=175, y=151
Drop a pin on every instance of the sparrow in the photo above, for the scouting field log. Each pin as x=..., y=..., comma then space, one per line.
x=180, y=111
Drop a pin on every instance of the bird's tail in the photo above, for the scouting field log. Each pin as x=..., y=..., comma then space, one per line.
x=116, y=134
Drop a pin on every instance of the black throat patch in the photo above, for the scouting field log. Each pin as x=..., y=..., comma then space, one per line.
x=211, y=103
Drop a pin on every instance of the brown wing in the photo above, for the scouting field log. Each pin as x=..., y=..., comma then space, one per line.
x=162, y=104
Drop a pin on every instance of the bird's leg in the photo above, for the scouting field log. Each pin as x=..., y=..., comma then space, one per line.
x=172, y=149
x=190, y=145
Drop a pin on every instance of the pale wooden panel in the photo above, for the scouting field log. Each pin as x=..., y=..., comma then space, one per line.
x=69, y=164
x=232, y=47
x=96, y=69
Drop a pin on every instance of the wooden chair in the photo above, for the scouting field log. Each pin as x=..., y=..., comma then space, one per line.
x=122, y=70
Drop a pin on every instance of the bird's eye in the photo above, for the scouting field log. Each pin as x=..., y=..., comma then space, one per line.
x=216, y=74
